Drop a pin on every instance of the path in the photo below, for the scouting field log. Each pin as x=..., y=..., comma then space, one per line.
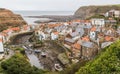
x=34, y=60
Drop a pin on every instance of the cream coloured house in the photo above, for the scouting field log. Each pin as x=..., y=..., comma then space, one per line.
x=98, y=22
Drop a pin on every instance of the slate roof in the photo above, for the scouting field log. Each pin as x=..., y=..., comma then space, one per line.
x=88, y=26
x=112, y=21
x=87, y=44
x=69, y=40
x=73, y=34
x=105, y=44
x=80, y=31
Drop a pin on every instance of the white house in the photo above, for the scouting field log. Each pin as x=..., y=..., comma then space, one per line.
x=42, y=35
x=69, y=30
x=1, y=47
x=98, y=22
x=7, y=34
x=26, y=28
x=54, y=35
x=75, y=35
x=93, y=33
x=112, y=13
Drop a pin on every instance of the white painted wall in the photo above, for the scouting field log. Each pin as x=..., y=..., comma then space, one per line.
x=98, y=22
x=53, y=36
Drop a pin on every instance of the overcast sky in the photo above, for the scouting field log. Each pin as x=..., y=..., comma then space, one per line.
x=52, y=5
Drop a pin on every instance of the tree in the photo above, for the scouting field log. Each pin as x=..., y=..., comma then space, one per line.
x=108, y=62
x=17, y=64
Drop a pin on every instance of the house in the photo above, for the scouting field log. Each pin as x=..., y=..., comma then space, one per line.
x=98, y=22
x=48, y=30
x=1, y=48
x=87, y=24
x=68, y=42
x=93, y=33
x=89, y=50
x=85, y=38
x=15, y=29
x=80, y=31
x=110, y=32
x=76, y=50
x=41, y=35
x=7, y=34
x=26, y=28
x=74, y=35
x=110, y=22
x=54, y=35
x=76, y=22
x=105, y=44
x=69, y=30
x=118, y=31
x=4, y=37
x=54, y=25
x=8, y=31
x=66, y=31
x=32, y=27
x=108, y=38
x=112, y=13
x=66, y=23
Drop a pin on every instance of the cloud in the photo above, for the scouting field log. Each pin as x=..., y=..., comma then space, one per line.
x=49, y=5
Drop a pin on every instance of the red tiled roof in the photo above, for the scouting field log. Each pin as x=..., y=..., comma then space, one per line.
x=15, y=29
x=1, y=40
x=3, y=34
x=108, y=38
x=77, y=20
x=69, y=23
x=6, y=31
x=53, y=25
x=56, y=33
x=25, y=27
x=86, y=38
x=87, y=21
x=77, y=46
x=93, y=29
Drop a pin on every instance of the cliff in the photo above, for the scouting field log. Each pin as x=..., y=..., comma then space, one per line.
x=9, y=19
x=88, y=11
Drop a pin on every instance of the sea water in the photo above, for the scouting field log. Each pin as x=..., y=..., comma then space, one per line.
x=41, y=13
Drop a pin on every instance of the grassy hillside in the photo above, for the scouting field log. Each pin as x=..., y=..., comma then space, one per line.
x=9, y=19
x=88, y=11
x=108, y=62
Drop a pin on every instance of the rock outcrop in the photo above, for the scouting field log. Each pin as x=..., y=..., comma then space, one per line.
x=88, y=11
x=9, y=19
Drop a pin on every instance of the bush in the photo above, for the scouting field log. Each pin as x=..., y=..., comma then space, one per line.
x=108, y=62
x=17, y=64
x=22, y=51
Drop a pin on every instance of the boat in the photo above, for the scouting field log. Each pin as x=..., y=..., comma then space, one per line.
x=43, y=54
x=58, y=67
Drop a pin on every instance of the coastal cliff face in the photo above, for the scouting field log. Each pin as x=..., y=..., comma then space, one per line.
x=9, y=19
x=88, y=11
